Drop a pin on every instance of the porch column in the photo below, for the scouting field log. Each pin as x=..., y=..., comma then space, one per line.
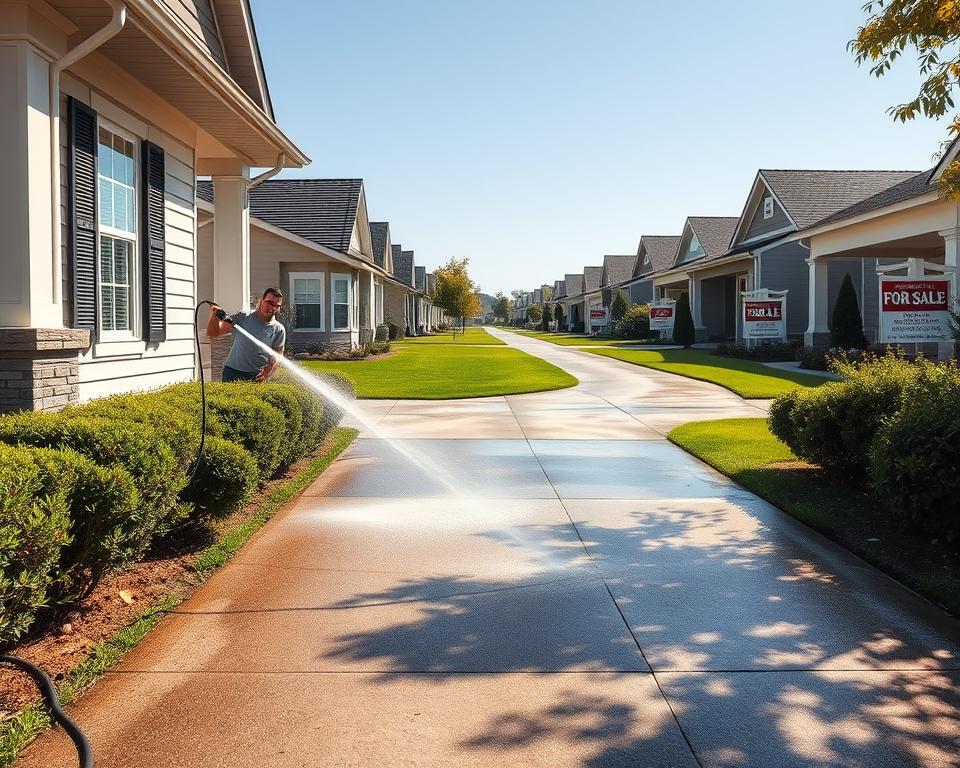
x=951, y=258
x=231, y=254
x=695, y=291
x=818, y=329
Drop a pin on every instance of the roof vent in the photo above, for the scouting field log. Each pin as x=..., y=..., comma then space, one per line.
x=768, y=208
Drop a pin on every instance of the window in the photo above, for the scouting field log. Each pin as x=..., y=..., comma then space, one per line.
x=117, y=191
x=306, y=288
x=768, y=207
x=378, y=303
x=341, y=295
x=695, y=251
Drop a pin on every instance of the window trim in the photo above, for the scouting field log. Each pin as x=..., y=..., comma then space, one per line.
x=294, y=276
x=350, y=326
x=768, y=207
x=134, y=301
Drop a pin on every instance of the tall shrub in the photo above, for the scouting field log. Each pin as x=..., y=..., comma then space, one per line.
x=684, y=333
x=558, y=316
x=618, y=308
x=635, y=323
x=846, y=326
x=545, y=318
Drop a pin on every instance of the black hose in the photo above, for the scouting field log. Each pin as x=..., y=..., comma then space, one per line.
x=49, y=693
x=221, y=315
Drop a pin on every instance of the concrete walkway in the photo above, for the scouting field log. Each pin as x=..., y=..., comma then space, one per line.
x=563, y=587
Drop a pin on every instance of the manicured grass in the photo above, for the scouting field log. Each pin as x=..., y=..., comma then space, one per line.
x=744, y=377
x=473, y=335
x=746, y=451
x=440, y=372
x=579, y=340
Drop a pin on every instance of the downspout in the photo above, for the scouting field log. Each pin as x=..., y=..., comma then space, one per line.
x=257, y=180
x=70, y=58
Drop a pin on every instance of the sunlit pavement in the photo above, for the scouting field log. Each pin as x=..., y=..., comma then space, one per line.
x=550, y=583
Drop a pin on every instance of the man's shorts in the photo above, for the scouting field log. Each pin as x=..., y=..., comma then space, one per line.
x=232, y=374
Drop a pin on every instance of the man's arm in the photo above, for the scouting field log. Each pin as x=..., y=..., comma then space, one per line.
x=264, y=373
x=217, y=327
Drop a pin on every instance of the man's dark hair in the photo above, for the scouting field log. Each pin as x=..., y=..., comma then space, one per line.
x=274, y=292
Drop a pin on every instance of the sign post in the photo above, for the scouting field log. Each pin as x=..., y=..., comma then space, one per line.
x=916, y=309
x=764, y=315
x=662, y=314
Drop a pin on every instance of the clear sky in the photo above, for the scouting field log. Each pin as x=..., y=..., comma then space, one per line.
x=534, y=136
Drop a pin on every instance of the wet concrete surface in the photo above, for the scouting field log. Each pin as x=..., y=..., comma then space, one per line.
x=552, y=583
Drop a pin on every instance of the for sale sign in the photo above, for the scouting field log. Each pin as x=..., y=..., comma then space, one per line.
x=661, y=317
x=764, y=318
x=598, y=315
x=914, y=310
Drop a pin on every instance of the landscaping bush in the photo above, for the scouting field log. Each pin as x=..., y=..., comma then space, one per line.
x=766, y=353
x=635, y=323
x=684, y=333
x=332, y=412
x=33, y=530
x=224, y=481
x=833, y=425
x=618, y=308
x=378, y=347
x=846, y=324
x=915, y=454
x=396, y=332
x=814, y=358
x=282, y=397
x=558, y=315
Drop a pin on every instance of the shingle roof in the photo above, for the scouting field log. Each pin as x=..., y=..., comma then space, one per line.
x=811, y=196
x=421, y=276
x=661, y=249
x=591, y=278
x=379, y=234
x=574, y=284
x=395, y=251
x=618, y=269
x=559, y=289
x=403, y=266
x=323, y=211
x=914, y=186
x=714, y=233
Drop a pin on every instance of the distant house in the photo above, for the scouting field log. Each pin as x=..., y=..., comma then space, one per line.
x=572, y=302
x=405, y=272
x=617, y=271
x=312, y=239
x=655, y=253
x=591, y=298
x=108, y=117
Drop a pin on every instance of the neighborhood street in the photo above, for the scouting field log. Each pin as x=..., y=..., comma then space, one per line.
x=562, y=587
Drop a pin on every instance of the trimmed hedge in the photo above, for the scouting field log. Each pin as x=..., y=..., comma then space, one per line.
x=225, y=480
x=635, y=322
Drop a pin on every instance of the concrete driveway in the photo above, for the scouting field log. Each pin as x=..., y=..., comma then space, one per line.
x=550, y=582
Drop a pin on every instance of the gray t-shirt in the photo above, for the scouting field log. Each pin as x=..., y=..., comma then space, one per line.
x=244, y=354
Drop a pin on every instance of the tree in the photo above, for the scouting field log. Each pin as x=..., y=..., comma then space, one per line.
x=547, y=314
x=684, y=333
x=846, y=324
x=618, y=308
x=456, y=293
x=929, y=27
x=502, y=306
x=558, y=315
x=547, y=292
x=534, y=313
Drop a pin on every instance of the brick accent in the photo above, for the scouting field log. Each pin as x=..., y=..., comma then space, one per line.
x=219, y=349
x=366, y=335
x=39, y=368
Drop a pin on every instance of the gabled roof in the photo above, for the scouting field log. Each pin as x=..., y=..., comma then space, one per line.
x=574, y=284
x=380, y=236
x=323, y=211
x=617, y=269
x=714, y=233
x=421, y=278
x=914, y=186
x=660, y=250
x=591, y=278
x=559, y=289
x=403, y=267
x=234, y=22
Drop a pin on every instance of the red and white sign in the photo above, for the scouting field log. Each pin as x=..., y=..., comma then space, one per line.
x=598, y=315
x=763, y=318
x=662, y=315
x=914, y=310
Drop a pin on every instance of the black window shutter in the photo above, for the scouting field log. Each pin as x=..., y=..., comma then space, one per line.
x=82, y=211
x=154, y=244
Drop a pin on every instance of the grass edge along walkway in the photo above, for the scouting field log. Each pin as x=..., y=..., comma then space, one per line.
x=563, y=339
x=746, y=378
x=17, y=732
x=748, y=453
x=448, y=372
x=474, y=335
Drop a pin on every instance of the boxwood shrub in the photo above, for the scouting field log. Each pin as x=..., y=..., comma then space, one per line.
x=224, y=481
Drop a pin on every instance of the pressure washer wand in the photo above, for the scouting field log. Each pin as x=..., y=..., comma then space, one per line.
x=49, y=693
x=222, y=316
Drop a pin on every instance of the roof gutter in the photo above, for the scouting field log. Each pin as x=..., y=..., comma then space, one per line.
x=71, y=57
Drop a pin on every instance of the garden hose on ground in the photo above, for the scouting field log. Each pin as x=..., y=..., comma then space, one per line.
x=49, y=694
x=221, y=315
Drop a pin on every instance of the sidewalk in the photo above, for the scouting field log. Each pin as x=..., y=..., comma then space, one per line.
x=581, y=593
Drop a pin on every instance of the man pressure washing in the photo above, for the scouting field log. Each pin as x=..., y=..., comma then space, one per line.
x=247, y=361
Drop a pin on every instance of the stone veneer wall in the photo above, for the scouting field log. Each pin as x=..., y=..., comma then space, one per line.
x=39, y=368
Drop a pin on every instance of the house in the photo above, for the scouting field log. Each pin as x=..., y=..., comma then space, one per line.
x=559, y=293
x=617, y=271
x=111, y=111
x=312, y=239
x=909, y=223
x=572, y=302
x=406, y=275
x=713, y=303
x=655, y=253
x=594, y=317
x=397, y=292
x=764, y=253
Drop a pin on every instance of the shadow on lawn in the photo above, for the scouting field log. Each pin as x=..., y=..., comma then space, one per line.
x=766, y=655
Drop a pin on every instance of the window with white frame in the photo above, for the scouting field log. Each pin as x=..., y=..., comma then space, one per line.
x=306, y=288
x=117, y=259
x=768, y=207
x=378, y=303
x=695, y=250
x=341, y=299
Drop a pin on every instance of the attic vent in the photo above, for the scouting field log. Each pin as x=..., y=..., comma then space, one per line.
x=768, y=207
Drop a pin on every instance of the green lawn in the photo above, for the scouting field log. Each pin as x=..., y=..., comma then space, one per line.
x=744, y=377
x=473, y=335
x=439, y=372
x=746, y=451
x=579, y=340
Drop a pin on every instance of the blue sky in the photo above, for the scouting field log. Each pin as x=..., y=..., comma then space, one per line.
x=533, y=137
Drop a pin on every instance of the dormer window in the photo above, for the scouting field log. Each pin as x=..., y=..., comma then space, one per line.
x=695, y=251
x=768, y=207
